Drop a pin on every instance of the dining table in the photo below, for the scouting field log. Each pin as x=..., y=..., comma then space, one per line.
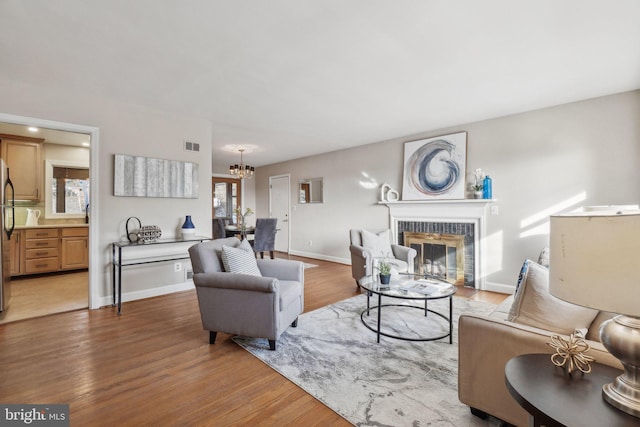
x=233, y=231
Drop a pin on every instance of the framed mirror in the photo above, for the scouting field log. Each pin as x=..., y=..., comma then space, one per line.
x=311, y=190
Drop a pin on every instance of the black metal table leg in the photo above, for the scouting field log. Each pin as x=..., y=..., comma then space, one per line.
x=113, y=273
x=451, y=320
x=379, y=314
x=369, y=294
x=119, y=280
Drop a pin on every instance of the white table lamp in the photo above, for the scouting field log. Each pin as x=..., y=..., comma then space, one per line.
x=595, y=262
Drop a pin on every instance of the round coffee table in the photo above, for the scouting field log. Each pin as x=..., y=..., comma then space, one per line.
x=408, y=287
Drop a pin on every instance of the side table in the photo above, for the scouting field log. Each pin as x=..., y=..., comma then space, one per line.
x=117, y=262
x=553, y=398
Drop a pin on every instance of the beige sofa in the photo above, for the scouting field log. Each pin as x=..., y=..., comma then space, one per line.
x=486, y=343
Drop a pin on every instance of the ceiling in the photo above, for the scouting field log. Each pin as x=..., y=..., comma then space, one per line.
x=49, y=135
x=293, y=78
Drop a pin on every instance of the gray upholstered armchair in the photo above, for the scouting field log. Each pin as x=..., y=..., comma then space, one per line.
x=243, y=304
x=365, y=246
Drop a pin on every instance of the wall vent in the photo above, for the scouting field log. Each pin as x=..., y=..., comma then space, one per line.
x=191, y=146
x=188, y=274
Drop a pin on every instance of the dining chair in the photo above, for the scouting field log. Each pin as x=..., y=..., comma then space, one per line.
x=218, y=228
x=265, y=236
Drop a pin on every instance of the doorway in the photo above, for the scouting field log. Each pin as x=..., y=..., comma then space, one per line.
x=279, y=207
x=74, y=289
x=226, y=198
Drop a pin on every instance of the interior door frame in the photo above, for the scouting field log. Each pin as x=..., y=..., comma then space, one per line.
x=94, y=298
x=288, y=176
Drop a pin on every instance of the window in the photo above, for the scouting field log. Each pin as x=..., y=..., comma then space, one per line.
x=226, y=198
x=69, y=190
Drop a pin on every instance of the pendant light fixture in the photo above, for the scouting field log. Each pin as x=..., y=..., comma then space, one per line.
x=241, y=171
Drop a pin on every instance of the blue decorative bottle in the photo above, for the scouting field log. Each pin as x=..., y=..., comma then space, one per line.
x=487, y=192
x=188, y=229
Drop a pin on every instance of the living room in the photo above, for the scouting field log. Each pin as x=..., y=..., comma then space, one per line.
x=552, y=118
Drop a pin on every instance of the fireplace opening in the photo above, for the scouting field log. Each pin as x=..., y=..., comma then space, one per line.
x=439, y=255
x=445, y=249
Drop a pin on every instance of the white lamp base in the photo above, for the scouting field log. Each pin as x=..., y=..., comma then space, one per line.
x=621, y=336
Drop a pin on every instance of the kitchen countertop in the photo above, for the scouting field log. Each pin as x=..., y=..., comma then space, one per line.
x=24, y=227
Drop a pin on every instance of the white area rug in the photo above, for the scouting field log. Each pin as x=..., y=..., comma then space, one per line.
x=335, y=358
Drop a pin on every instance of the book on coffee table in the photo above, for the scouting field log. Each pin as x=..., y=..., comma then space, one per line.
x=421, y=288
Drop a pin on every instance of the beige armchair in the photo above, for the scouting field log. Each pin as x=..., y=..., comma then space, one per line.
x=243, y=304
x=401, y=257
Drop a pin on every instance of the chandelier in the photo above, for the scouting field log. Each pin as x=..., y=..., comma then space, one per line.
x=241, y=170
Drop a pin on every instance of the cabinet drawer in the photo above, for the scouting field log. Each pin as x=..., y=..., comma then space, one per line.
x=41, y=265
x=41, y=233
x=75, y=232
x=41, y=253
x=41, y=243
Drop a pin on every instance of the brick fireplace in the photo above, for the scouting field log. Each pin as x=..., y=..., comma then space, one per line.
x=448, y=236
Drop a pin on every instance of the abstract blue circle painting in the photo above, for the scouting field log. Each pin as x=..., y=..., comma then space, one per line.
x=434, y=168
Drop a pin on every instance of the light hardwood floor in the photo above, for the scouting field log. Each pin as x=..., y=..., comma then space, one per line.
x=42, y=295
x=153, y=365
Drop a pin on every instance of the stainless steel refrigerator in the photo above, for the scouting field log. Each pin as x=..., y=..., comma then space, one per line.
x=7, y=221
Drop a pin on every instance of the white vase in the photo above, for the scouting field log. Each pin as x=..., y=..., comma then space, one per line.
x=477, y=194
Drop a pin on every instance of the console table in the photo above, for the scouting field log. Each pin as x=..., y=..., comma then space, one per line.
x=553, y=398
x=117, y=262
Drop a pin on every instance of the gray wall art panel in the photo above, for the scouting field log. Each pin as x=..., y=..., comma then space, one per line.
x=136, y=176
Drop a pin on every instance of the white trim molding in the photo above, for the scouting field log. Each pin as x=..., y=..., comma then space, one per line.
x=473, y=211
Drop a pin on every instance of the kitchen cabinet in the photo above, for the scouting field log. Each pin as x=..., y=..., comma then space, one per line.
x=16, y=256
x=49, y=249
x=74, y=248
x=23, y=156
x=41, y=250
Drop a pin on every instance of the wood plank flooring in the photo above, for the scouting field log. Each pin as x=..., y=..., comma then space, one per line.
x=45, y=294
x=153, y=365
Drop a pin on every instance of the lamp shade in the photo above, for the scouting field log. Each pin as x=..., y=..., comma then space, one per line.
x=595, y=260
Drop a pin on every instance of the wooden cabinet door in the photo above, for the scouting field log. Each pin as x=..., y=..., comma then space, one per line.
x=25, y=168
x=15, y=253
x=75, y=253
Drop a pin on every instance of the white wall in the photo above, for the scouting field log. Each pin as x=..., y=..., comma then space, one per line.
x=541, y=162
x=133, y=130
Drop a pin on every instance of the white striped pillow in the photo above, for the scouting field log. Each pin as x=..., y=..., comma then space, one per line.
x=239, y=260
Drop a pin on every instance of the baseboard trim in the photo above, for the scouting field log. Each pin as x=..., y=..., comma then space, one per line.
x=499, y=287
x=149, y=293
x=321, y=257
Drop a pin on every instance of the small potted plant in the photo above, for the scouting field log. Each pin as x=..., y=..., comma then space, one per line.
x=477, y=186
x=384, y=269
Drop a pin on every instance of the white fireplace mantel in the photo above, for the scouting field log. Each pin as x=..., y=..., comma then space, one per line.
x=465, y=210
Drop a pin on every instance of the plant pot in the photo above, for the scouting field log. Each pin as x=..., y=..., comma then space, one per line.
x=385, y=278
x=477, y=194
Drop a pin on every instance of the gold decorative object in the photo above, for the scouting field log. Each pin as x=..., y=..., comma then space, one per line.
x=570, y=353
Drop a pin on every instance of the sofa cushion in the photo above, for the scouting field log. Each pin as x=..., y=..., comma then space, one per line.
x=543, y=258
x=240, y=260
x=379, y=245
x=533, y=305
x=501, y=312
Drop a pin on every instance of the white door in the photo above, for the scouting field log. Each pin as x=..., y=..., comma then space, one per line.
x=279, y=199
